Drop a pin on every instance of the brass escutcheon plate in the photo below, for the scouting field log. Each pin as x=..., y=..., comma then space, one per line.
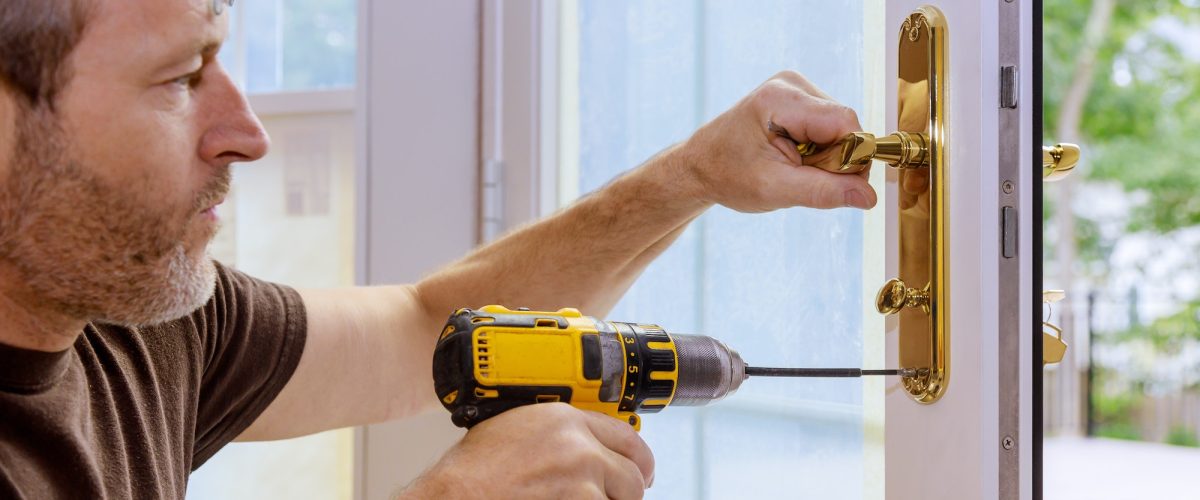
x=924, y=342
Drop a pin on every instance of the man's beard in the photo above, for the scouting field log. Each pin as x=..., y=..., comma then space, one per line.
x=97, y=250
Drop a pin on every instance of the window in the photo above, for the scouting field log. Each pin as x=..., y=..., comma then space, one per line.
x=292, y=45
x=785, y=288
x=290, y=216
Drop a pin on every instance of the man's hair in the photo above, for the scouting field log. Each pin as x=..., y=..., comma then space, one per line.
x=36, y=36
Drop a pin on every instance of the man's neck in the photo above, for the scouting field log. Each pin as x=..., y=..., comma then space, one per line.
x=26, y=324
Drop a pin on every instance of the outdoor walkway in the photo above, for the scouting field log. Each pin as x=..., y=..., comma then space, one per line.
x=1109, y=469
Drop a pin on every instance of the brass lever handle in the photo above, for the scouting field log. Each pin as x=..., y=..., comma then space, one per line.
x=1053, y=345
x=854, y=152
x=1051, y=296
x=1058, y=161
x=895, y=295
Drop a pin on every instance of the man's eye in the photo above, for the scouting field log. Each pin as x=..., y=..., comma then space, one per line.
x=187, y=81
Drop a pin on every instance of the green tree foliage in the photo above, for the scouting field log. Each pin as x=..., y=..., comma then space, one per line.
x=1141, y=120
x=1113, y=415
x=1182, y=436
x=1139, y=129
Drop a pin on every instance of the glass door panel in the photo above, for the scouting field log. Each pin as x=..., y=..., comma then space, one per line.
x=785, y=288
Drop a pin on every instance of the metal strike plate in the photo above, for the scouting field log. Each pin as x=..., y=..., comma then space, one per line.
x=920, y=295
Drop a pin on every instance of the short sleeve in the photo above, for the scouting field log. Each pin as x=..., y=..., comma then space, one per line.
x=252, y=334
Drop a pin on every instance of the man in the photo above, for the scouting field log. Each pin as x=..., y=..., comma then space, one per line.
x=127, y=357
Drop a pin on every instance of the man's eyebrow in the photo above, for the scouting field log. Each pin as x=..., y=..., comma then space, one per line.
x=202, y=48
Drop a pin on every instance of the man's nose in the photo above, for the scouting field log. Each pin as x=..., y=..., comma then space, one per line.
x=232, y=132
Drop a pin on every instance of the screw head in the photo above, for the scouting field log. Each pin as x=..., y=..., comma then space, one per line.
x=1009, y=187
x=1008, y=442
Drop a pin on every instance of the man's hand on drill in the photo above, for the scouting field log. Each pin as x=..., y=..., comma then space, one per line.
x=737, y=162
x=548, y=450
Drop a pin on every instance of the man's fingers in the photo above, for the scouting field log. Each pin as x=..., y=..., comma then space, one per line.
x=622, y=478
x=806, y=117
x=788, y=149
x=619, y=437
x=816, y=188
x=816, y=120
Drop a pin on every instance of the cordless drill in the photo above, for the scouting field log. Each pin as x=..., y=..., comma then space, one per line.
x=493, y=359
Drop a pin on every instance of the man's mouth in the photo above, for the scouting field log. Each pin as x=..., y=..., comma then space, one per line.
x=211, y=211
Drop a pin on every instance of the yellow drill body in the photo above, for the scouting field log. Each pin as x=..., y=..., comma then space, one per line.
x=493, y=359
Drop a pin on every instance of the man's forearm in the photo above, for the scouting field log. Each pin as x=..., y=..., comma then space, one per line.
x=369, y=350
x=384, y=337
x=585, y=256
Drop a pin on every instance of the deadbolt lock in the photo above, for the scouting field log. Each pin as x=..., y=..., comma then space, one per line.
x=1058, y=161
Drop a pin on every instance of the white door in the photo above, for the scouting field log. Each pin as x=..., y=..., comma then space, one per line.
x=575, y=92
x=977, y=441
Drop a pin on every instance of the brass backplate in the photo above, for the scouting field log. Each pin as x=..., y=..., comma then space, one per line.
x=924, y=332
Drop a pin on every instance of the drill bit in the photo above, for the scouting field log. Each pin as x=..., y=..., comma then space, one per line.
x=759, y=371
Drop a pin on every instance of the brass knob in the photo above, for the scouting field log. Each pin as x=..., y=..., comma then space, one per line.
x=895, y=295
x=1058, y=161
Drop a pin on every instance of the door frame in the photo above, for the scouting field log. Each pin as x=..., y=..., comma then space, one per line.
x=1036, y=286
x=414, y=130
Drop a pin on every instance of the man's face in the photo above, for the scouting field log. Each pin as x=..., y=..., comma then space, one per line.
x=106, y=206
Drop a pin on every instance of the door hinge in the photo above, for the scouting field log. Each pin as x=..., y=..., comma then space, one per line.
x=1009, y=86
x=491, y=196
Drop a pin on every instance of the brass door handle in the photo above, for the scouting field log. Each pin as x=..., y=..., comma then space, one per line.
x=854, y=152
x=919, y=294
x=1058, y=161
x=1053, y=346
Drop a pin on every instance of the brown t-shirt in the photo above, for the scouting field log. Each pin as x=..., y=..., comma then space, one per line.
x=130, y=412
